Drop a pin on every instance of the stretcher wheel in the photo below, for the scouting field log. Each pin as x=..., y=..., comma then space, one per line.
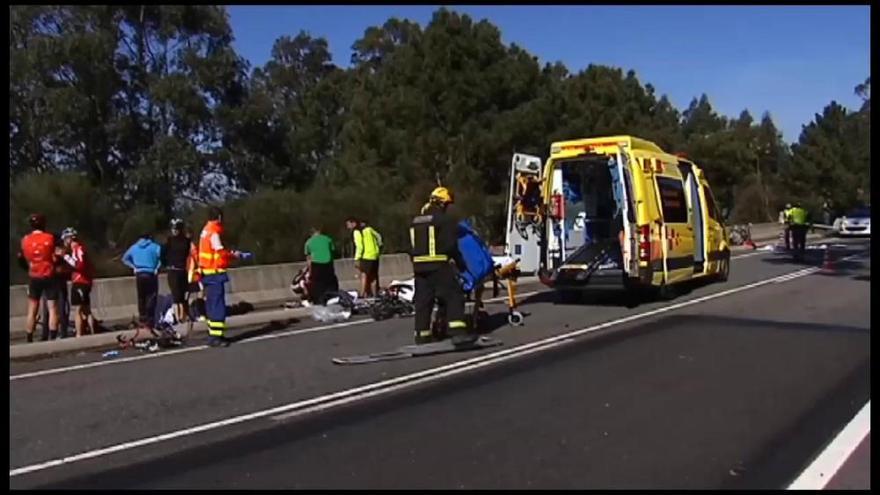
x=515, y=318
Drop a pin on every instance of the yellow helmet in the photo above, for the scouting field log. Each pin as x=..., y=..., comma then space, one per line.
x=442, y=195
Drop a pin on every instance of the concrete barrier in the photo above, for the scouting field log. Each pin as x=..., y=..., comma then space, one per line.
x=115, y=299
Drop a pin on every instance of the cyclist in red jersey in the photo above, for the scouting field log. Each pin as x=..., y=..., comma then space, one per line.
x=38, y=255
x=81, y=279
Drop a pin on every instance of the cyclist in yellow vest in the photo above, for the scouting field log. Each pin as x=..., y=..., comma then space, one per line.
x=367, y=249
x=797, y=217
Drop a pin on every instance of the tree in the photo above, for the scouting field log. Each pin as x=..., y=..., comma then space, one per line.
x=286, y=128
x=125, y=94
x=150, y=111
x=831, y=160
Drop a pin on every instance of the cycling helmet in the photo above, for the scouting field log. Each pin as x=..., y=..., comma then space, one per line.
x=37, y=221
x=68, y=232
x=177, y=223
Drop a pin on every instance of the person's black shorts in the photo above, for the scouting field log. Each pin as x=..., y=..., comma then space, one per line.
x=43, y=287
x=370, y=267
x=80, y=294
x=178, y=285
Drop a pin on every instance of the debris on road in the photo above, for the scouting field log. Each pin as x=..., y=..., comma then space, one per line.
x=330, y=313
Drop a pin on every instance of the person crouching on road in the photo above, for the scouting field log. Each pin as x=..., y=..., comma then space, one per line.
x=214, y=260
x=82, y=275
x=37, y=255
x=367, y=249
x=144, y=257
x=320, y=253
x=175, y=256
x=434, y=238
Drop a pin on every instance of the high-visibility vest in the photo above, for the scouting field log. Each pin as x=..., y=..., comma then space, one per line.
x=367, y=244
x=797, y=216
x=212, y=261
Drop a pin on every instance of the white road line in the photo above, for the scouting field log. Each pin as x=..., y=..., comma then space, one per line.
x=790, y=276
x=385, y=386
x=53, y=371
x=755, y=253
x=77, y=367
x=824, y=467
x=95, y=364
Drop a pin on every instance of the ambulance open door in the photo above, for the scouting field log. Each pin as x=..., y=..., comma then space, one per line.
x=524, y=212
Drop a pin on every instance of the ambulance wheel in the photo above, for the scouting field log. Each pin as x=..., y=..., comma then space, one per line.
x=724, y=269
x=665, y=292
x=515, y=318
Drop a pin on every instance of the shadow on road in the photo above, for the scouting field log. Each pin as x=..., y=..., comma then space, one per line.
x=494, y=322
x=834, y=265
x=619, y=297
x=272, y=326
x=251, y=442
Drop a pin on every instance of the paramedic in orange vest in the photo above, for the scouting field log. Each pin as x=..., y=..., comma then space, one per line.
x=214, y=260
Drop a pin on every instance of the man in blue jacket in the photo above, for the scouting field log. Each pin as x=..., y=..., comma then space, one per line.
x=144, y=258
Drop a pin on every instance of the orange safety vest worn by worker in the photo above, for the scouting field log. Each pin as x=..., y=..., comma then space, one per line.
x=212, y=261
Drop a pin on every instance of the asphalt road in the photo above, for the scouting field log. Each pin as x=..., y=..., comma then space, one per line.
x=735, y=391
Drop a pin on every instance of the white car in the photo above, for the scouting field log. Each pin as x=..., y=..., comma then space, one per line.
x=856, y=222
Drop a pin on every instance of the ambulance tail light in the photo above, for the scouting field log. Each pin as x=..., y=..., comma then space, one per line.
x=644, y=243
x=556, y=206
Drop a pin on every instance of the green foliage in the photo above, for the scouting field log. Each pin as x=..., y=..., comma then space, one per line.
x=832, y=159
x=122, y=116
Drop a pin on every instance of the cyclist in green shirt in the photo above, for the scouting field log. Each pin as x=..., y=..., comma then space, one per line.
x=320, y=253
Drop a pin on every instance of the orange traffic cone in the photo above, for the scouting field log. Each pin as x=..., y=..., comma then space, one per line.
x=828, y=262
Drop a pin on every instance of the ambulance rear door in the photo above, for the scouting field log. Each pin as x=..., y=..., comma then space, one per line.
x=522, y=234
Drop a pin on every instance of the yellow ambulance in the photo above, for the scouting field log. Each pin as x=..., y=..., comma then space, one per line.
x=619, y=212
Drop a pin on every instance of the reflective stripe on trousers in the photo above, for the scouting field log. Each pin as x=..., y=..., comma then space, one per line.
x=215, y=303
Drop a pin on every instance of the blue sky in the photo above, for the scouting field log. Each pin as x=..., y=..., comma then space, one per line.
x=788, y=60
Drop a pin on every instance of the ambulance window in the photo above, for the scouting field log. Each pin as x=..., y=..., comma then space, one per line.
x=710, y=204
x=672, y=200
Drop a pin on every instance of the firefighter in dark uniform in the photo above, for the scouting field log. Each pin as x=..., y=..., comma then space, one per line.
x=434, y=238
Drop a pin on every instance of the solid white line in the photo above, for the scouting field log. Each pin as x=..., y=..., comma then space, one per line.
x=755, y=253
x=376, y=388
x=95, y=364
x=53, y=371
x=824, y=467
